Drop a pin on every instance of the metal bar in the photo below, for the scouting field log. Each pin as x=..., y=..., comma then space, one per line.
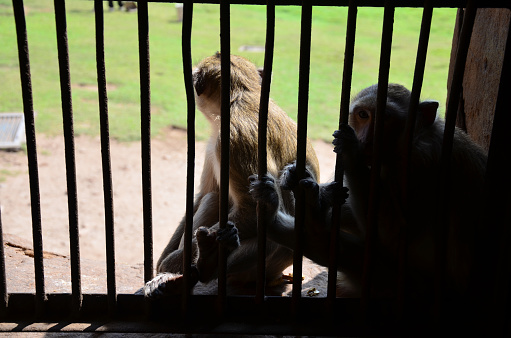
x=4, y=297
x=349, y=52
x=190, y=132
x=145, y=132
x=262, y=153
x=105, y=158
x=225, y=63
x=67, y=118
x=372, y=216
x=131, y=317
x=418, y=78
x=445, y=158
x=367, y=3
x=33, y=172
x=303, y=102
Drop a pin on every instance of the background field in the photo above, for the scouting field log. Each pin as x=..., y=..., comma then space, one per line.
x=167, y=92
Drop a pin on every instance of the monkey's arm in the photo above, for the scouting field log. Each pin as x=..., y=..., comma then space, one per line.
x=316, y=247
x=356, y=171
x=208, y=189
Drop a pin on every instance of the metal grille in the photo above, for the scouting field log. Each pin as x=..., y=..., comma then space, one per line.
x=258, y=314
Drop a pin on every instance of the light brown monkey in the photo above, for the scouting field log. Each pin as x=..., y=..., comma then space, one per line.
x=354, y=143
x=281, y=149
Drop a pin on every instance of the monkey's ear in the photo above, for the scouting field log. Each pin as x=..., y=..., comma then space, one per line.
x=428, y=111
x=261, y=73
x=198, y=82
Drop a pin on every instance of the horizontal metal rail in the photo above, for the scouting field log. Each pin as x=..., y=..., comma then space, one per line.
x=365, y=3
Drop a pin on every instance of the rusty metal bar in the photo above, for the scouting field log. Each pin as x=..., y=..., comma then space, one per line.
x=262, y=153
x=67, y=118
x=145, y=133
x=374, y=193
x=351, y=27
x=4, y=297
x=418, y=78
x=303, y=103
x=105, y=158
x=190, y=132
x=448, y=139
x=225, y=63
x=131, y=316
x=33, y=171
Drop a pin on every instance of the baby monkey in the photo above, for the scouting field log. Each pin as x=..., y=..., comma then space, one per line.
x=354, y=143
x=240, y=235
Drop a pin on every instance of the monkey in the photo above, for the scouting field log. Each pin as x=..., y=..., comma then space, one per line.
x=354, y=143
x=240, y=236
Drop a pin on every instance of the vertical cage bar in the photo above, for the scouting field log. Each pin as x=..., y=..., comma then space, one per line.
x=105, y=157
x=190, y=132
x=445, y=157
x=33, y=171
x=225, y=63
x=303, y=102
x=349, y=52
x=262, y=153
x=145, y=133
x=374, y=192
x=420, y=63
x=4, y=297
x=67, y=118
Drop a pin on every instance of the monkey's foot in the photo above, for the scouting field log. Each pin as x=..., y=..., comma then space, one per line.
x=207, y=242
x=228, y=237
x=167, y=284
x=264, y=190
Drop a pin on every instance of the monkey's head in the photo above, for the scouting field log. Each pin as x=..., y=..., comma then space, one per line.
x=245, y=78
x=362, y=117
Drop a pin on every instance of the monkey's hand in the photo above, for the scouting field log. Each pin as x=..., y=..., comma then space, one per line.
x=345, y=140
x=331, y=193
x=322, y=197
x=166, y=284
x=265, y=191
x=289, y=178
x=311, y=189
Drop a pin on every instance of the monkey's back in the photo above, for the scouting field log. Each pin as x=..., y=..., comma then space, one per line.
x=244, y=119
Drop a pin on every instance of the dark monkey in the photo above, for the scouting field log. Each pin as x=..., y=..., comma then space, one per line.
x=468, y=165
x=242, y=226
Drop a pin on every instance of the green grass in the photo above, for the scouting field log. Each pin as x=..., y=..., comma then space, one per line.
x=167, y=93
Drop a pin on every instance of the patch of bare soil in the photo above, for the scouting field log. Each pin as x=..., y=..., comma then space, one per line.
x=168, y=193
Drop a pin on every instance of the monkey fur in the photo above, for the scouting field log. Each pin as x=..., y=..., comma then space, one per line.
x=241, y=234
x=354, y=143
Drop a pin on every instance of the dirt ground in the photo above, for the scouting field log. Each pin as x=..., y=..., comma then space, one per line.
x=168, y=193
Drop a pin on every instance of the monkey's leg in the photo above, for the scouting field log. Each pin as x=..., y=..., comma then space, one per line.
x=208, y=241
x=242, y=262
x=166, y=284
x=205, y=216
